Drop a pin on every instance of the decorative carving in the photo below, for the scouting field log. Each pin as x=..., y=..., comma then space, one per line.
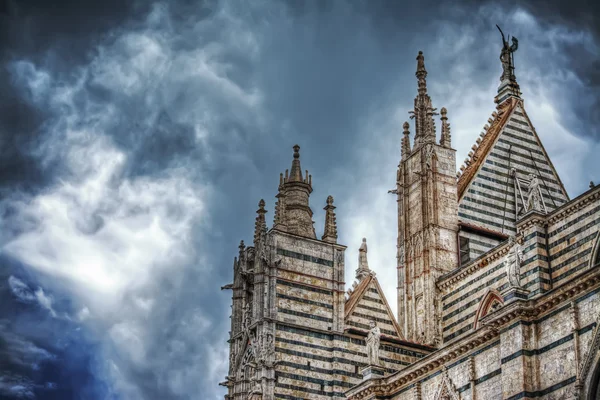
x=512, y=262
x=492, y=301
x=429, y=155
x=373, y=339
x=446, y=389
x=330, y=234
x=534, y=195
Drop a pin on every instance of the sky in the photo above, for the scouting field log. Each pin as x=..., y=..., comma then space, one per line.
x=136, y=139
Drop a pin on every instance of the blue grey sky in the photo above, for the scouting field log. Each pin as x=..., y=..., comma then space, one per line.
x=136, y=139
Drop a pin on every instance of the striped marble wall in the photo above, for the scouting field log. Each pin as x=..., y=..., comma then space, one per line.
x=322, y=365
x=316, y=360
x=489, y=200
x=372, y=306
x=573, y=236
x=461, y=299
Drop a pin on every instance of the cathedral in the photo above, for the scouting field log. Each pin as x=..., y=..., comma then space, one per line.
x=498, y=277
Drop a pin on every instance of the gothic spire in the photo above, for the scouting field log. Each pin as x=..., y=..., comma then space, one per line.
x=446, y=138
x=363, y=264
x=292, y=211
x=296, y=171
x=260, y=225
x=424, y=111
x=405, y=151
x=330, y=234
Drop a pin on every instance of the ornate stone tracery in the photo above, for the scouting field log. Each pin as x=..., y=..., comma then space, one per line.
x=446, y=389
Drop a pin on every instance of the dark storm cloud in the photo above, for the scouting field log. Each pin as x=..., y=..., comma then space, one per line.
x=148, y=133
x=59, y=36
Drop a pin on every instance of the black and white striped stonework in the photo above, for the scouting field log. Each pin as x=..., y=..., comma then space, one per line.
x=489, y=200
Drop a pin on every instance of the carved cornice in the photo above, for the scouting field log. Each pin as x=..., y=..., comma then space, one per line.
x=575, y=205
x=518, y=310
x=532, y=219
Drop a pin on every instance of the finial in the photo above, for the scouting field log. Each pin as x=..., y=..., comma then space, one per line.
x=296, y=171
x=405, y=148
x=330, y=233
x=260, y=225
x=445, y=139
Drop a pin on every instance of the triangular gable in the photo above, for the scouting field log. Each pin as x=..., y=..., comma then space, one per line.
x=493, y=188
x=367, y=303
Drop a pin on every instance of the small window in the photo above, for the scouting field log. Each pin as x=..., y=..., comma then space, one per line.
x=465, y=254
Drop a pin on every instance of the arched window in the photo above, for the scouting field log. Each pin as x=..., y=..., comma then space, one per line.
x=490, y=302
x=247, y=371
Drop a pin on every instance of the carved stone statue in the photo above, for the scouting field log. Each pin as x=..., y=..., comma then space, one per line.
x=373, y=339
x=247, y=317
x=363, y=264
x=513, y=263
x=506, y=57
x=534, y=198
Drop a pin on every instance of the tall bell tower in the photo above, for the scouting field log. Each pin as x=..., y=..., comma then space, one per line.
x=427, y=217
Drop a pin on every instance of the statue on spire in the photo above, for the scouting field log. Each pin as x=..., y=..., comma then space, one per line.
x=363, y=264
x=506, y=56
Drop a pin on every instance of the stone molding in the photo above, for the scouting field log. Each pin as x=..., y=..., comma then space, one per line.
x=574, y=205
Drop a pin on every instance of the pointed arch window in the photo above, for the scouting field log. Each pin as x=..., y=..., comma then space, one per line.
x=491, y=301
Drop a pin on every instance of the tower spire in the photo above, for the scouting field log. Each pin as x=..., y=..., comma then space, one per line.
x=330, y=234
x=292, y=211
x=424, y=111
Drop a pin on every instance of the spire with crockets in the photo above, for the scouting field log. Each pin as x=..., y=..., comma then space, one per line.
x=424, y=111
x=292, y=211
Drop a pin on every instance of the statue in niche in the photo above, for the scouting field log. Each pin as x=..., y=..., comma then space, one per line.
x=513, y=263
x=373, y=339
x=247, y=317
x=534, y=197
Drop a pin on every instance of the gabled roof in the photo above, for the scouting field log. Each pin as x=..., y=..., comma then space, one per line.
x=377, y=308
x=492, y=188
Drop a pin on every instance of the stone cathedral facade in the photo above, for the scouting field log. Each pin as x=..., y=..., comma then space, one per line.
x=498, y=278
